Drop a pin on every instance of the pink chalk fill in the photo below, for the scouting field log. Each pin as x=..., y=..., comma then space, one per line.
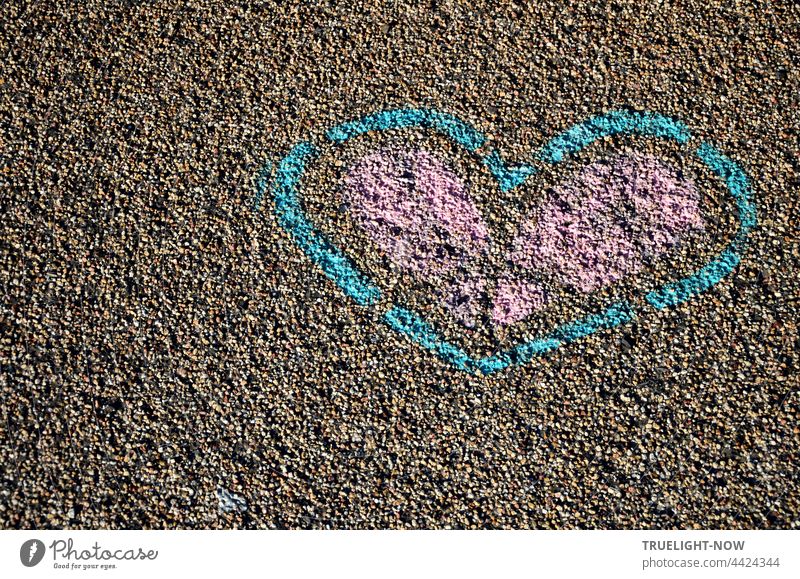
x=595, y=229
x=590, y=231
x=416, y=210
x=515, y=299
x=464, y=299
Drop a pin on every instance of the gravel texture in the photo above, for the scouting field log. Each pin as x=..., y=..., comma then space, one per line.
x=169, y=357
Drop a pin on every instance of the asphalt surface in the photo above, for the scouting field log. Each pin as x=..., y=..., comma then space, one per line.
x=170, y=358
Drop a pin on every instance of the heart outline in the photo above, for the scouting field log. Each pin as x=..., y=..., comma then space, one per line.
x=356, y=285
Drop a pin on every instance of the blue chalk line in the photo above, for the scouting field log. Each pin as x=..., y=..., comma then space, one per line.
x=733, y=175
x=421, y=332
x=507, y=177
x=614, y=123
x=613, y=316
x=293, y=219
x=408, y=323
x=359, y=287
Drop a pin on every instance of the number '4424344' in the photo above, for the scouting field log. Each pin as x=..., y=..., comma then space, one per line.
x=756, y=562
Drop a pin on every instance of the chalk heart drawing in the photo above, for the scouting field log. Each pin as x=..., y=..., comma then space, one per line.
x=590, y=232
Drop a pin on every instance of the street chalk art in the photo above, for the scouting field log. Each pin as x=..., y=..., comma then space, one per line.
x=598, y=227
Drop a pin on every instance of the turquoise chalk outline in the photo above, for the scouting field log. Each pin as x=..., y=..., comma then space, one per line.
x=421, y=332
x=613, y=316
x=359, y=287
x=445, y=124
x=738, y=184
x=293, y=219
x=407, y=322
x=507, y=177
x=614, y=123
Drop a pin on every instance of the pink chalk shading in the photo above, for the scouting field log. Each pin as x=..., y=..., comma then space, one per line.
x=463, y=299
x=515, y=299
x=596, y=229
x=416, y=209
x=590, y=232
